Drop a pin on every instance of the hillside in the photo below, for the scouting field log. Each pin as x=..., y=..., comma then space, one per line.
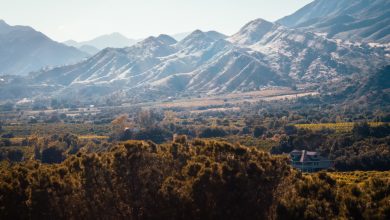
x=261, y=54
x=23, y=49
x=366, y=20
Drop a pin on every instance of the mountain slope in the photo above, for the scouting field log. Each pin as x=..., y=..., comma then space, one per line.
x=91, y=50
x=376, y=89
x=152, y=58
x=304, y=56
x=367, y=20
x=371, y=90
x=180, y=36
x=22, y=50
x=261, y=54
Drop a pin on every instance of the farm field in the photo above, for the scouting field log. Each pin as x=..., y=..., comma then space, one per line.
x=237, y=98
x=342, y=127
x=24, y=130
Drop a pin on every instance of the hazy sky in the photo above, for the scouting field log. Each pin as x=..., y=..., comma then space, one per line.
x=85, y=19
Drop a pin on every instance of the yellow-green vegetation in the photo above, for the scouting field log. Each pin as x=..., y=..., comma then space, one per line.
x=249, y=141
x=17, y=141
x=93, y=137
x=355, y=195
x=141, y=180
x=340, y=127
x=359, y=177
x=364, y=148
x=25, y=130
x=198, y=179
x=26, y=152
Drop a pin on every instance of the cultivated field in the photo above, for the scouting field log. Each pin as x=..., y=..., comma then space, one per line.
x=23, y=130
x=338, y=127
x=269, y=94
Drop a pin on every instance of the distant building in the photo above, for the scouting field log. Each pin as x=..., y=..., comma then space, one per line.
x=309, y=161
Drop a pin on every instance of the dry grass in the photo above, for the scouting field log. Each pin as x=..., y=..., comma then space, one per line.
x=237, y=98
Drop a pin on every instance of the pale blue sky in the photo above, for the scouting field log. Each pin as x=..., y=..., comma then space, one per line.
x=85, y=19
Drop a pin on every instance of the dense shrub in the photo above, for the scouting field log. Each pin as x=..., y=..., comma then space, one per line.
x=183, y=180
x=138, y=180
x=320, y=196
x=155, y=134
x=15, y=155
x=366, y=148
x=259, y=131
x=8, y=135
x=52, y=155
x=212, y=132
x=5, y=142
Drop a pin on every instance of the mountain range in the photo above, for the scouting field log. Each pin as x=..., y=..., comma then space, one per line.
x=114, y=40
x=356, y=20
x=23, y=49
x=261, y=54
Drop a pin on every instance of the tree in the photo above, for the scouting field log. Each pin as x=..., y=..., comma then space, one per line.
x=120, y=125
x=54, y=118
x=197, y=179
x=8, y=135
x=155, y=134
x=290, y=129
x=212, y=132
x=55, y=104
x=148, y=118
x=259, y=131
x=15, y=155
x=52, y=155
x=361, y=130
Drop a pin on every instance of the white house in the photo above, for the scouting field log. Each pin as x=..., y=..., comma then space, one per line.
x=309, y=161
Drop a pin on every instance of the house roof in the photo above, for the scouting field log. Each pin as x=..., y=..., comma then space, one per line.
x=306, y=155
x=295, y=151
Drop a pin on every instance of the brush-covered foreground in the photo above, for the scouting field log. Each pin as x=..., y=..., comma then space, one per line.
x=184, y=180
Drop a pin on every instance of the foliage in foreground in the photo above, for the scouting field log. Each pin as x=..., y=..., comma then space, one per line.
x=198, y=180
x=365, y=148
x=182, y=180
x=330, y=196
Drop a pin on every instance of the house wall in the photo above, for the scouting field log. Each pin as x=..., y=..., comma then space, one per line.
x=312, y=166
